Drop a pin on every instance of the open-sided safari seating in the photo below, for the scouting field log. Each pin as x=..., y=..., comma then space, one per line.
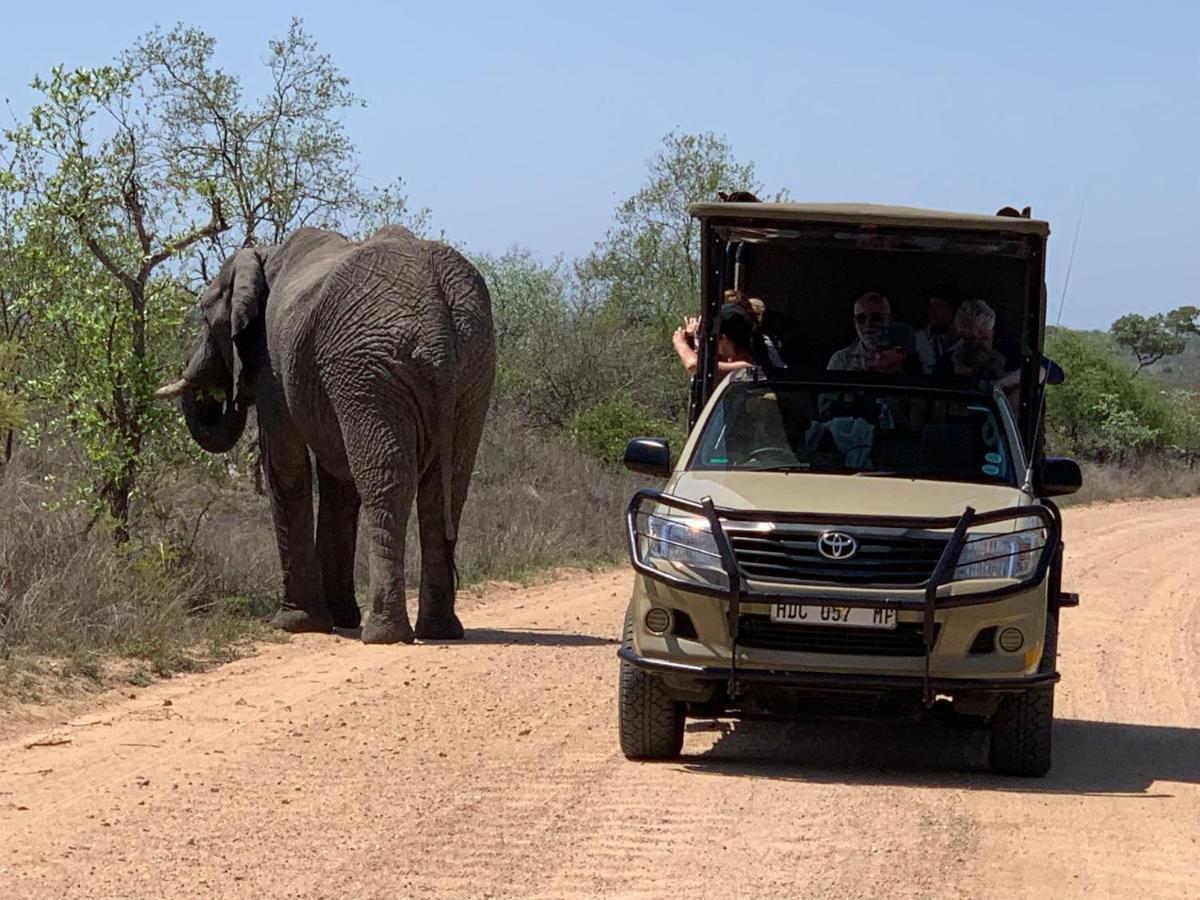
x=844, y=539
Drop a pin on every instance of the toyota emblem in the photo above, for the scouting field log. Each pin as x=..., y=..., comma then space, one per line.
x=836, y=545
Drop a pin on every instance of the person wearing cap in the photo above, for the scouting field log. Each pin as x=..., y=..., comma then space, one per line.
x=894, y=352
x=739, y=347
x=872, y=312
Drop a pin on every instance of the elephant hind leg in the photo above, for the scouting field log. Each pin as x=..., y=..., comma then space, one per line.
x=436, y=619
x=380, y=451
x=337, y=533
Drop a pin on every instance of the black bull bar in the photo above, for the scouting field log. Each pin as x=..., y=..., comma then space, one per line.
x=736, y=592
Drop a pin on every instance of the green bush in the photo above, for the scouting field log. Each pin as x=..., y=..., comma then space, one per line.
x=1102, y=411
x=602, y=430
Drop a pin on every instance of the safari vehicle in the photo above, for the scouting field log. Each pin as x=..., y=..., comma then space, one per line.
x=852, y=543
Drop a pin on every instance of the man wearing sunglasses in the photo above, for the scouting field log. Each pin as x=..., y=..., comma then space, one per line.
x=872, y=314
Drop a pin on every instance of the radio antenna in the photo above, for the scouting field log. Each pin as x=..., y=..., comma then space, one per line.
x=1071, y=260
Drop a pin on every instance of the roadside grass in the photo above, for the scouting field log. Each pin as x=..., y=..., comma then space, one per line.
x=195, y=591
x=1140, y=479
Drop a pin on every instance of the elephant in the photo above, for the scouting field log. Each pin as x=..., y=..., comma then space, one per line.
x=376, y=357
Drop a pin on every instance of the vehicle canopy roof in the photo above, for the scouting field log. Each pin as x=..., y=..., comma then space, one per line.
x=808, y=262
x=870, y=214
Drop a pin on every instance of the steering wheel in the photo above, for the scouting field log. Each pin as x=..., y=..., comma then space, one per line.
x=773, y=455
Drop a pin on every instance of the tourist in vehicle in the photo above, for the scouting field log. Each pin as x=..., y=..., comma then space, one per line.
x=740, y=345
x=872, y=311
x=894, y=351
x=934, y=340
x=972, y=354
x=758, y=309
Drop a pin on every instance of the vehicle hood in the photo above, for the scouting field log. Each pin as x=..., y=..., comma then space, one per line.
x=843, y=494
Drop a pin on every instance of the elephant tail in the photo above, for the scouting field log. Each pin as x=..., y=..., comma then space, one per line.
x=446, y=461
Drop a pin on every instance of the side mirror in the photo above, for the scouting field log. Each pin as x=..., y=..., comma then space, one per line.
x=1058, y=475
x=648, y=456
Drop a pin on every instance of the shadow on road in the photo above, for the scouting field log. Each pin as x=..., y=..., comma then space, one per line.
x=537, y=637
x=1089, y=757
x=533, y=637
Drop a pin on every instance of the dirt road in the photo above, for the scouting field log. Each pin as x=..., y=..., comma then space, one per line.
x=324, y=768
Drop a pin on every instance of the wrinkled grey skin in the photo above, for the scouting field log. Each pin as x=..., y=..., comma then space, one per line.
x=378, y=357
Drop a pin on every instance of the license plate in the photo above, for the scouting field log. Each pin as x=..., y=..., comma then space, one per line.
x=845, y=616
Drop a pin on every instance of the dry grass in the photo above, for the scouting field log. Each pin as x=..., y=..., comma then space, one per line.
x=1142, y=479
x=66, y=596
x=204, y=572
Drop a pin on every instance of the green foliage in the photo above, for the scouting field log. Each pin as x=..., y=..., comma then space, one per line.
x=602, y=430
x=11, y=411
x=1119, y=430
x=1101, y=410
x=647, y=267
x=559, y=354
x=1183, y=421
x=121, y=179
x=1150, y=338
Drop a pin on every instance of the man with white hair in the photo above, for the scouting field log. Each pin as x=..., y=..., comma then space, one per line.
x=972, y=355
x=872, y=314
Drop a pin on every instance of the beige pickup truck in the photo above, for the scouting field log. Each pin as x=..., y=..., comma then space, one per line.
x=854, y=543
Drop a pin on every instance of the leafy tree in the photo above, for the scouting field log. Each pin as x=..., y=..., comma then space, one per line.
x=603, y=429
x=1183, y=422
x=1099, y=387
x=1119, y=429
x=648, y=265
x=559, y=352
x=11, y=414
x=127, y=172
x=1150, y=338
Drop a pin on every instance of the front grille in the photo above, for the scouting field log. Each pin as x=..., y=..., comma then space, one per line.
x=792, y=557
x=903, y=640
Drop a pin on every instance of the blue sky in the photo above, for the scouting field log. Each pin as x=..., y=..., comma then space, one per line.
x=525, y=124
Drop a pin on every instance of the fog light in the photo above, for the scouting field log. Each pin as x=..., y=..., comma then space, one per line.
x=1011, y=639
x=659, y=620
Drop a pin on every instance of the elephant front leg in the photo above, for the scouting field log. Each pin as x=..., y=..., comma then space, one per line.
x=289, y=481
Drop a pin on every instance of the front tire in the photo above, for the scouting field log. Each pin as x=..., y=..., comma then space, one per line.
x=650, y=721
x=1021, y=734
x=1023, y=725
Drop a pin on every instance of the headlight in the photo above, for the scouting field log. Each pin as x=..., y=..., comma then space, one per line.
x=682, y=543
x=1000, y=556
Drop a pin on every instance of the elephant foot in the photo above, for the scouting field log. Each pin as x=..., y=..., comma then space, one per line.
x=299, y=621
x=439, y=628
x=346, y=614
x=386, y=631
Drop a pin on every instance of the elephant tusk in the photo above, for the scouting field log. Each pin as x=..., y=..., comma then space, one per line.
x=173, y=390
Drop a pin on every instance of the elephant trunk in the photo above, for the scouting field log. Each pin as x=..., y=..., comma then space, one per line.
x=215, y=424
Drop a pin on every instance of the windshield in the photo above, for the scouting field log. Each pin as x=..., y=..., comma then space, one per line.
x=855, y=429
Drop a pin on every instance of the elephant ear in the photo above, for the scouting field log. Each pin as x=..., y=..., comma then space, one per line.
x=249, y=295
x=247, y=302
